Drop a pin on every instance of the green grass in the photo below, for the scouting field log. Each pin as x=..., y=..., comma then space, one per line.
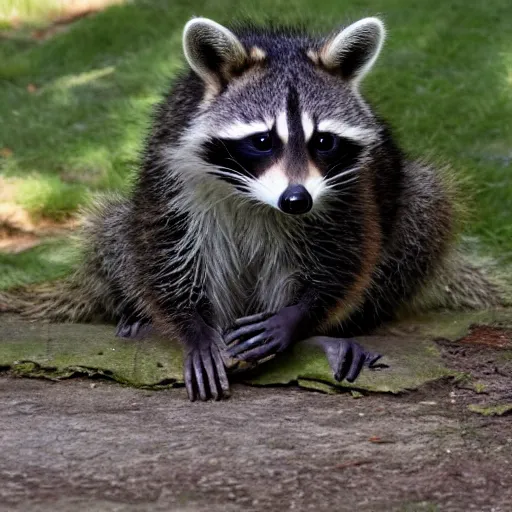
x=50, y=260
x=444, y=81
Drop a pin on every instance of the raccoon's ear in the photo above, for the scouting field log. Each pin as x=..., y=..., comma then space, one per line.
x=212, y=51
x=352, y=52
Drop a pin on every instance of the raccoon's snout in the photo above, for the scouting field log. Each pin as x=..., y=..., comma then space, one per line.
x=295, y=200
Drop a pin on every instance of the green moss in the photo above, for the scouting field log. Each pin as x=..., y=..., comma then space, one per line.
x=62, y=350
x=317, y=385
x=412, y=362
x=455, y=325
x=491, y=410
x=480, y=387
x=462, y=378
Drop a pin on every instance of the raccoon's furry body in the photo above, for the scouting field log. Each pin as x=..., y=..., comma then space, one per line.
x=267, y=122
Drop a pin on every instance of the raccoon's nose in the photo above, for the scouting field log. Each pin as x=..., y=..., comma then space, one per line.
x=295, y=200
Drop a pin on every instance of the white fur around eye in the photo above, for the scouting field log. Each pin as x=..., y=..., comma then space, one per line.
x=282, y=127
x=307, y=126
x=240, y=130
x=356, y=133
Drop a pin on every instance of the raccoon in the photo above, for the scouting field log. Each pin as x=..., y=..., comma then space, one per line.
x=272, y=205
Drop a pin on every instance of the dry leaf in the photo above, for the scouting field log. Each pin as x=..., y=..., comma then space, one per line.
x=6, y=152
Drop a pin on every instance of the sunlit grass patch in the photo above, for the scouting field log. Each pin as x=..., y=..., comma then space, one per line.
x=14, y=12
x=50, y=197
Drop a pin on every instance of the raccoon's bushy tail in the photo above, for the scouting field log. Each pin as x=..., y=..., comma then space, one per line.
x=462, y=282
x=91, y=292
x=70, y=300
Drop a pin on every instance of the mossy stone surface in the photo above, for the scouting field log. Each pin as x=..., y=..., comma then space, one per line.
x=58, y=351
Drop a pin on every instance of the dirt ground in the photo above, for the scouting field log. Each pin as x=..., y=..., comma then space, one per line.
x=95, y=445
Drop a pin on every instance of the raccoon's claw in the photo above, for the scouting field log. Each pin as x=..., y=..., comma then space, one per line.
x=345, y=356
x=204, y=371
x=205, y=375
x=128, y=327
x=248, y=320
x=244, y=352
x=264, y=334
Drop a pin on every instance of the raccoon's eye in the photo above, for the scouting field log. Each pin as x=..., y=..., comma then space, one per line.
x=262, y=142
x=323, y=142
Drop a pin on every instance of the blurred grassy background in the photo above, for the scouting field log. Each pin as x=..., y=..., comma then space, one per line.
x=76, y=92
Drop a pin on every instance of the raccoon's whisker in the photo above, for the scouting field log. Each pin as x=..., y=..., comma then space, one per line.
x=332, y=168
x=248, y=180
x=239, y=164
x=231, y=174
x=234, y=171
x=339, y=182
x=339, y=186
x=336, y=192
x=233, y=159
x=341, y=175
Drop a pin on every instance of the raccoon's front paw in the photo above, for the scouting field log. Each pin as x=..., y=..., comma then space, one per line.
x=133, y=327
x=345, y=356
x=204, y=372
x=264, y=334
